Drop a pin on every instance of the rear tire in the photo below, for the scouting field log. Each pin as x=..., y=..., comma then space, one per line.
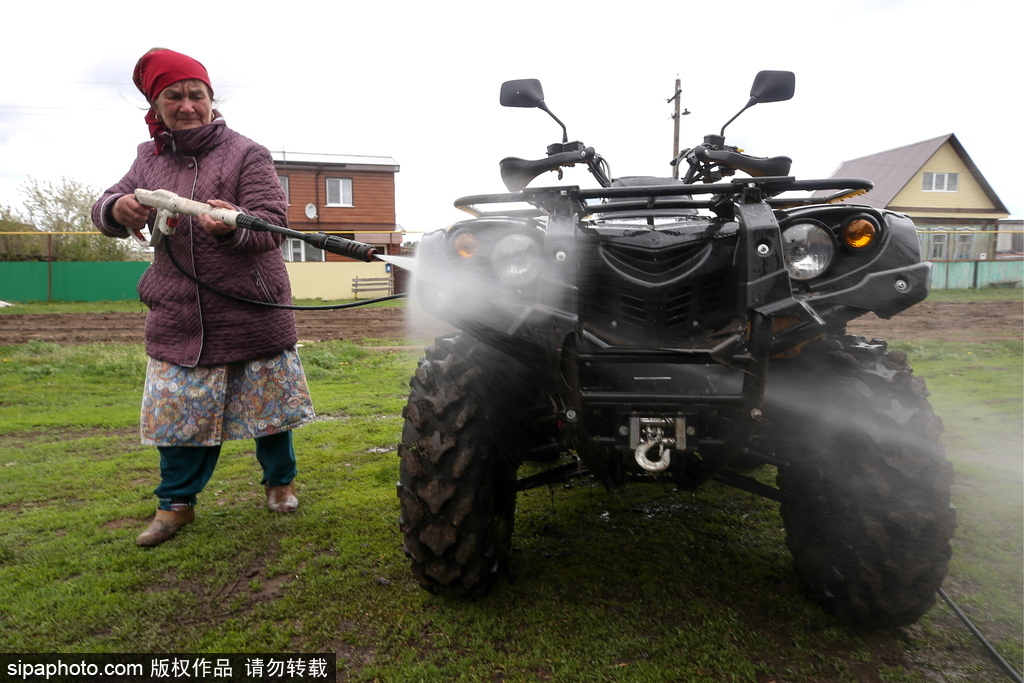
x=868, y=516
x=458, y=466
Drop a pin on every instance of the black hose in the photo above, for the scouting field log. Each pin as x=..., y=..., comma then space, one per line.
x=269, y=304
x=1003, y=664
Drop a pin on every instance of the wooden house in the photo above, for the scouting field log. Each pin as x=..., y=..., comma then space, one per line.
x=956, y=211
x=348, y=195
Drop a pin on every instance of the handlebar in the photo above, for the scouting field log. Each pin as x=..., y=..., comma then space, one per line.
x=757, y=167
x=517, y=173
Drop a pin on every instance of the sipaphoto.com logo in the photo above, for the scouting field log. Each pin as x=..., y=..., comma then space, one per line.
x=78, y=670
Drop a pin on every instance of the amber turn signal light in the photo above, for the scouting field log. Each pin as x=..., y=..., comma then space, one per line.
x=465, y=245
x=859, y=233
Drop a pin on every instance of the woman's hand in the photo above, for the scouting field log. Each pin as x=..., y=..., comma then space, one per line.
x=217, y=227
x=128, y=212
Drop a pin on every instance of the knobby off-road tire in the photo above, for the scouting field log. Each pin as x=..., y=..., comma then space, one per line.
x=458, y=466
x=869, y=519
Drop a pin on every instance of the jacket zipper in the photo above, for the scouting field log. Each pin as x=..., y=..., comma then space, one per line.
x=258, y=279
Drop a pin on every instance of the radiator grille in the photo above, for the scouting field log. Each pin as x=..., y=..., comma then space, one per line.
x=658, y=296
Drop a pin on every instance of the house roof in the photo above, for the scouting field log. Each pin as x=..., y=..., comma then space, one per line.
x=891, y=170
x=346, y=160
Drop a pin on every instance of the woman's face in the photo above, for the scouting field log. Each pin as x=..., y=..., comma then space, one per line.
x=185, y=104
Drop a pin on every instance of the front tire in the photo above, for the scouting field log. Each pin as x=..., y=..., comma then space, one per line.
x=868, y=516
x=458, y=466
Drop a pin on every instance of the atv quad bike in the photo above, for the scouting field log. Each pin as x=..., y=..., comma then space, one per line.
x=654, y=329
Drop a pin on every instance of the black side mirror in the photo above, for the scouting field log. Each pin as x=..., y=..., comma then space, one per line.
x=526, y=92
x=773, y=86
x=769, y=86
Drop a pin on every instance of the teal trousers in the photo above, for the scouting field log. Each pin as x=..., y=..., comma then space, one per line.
x=185, y=470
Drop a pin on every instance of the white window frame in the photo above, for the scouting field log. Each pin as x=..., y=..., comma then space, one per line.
x=964, y=243
x=287, y=189
x=940, y=182
x=342, y=192
x=938, y=246
x=297, y=251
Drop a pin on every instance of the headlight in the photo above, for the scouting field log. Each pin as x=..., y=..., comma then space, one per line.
x=517, y=259
x=808, y=249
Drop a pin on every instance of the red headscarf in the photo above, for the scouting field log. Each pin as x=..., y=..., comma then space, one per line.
x=158, y=69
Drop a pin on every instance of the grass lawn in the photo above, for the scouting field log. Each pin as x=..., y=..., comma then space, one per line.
x=636, y=584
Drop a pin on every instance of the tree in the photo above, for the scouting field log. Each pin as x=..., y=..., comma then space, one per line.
x=66, y=208
x=16, y=247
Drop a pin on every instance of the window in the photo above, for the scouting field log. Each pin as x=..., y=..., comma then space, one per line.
x=963, y=249
x=298, y=251
x=339, y=192
x=940, y=182
x=287, y=191
x=938, y=249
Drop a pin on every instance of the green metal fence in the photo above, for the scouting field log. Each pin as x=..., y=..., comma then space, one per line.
x=976, y=274
x=70, y=281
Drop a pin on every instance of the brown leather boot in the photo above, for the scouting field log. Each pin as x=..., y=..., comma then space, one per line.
x=165, y=524
x=282, y=498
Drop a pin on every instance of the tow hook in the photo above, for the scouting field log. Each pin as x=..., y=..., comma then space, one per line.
x=660, y=462
x=648, y=433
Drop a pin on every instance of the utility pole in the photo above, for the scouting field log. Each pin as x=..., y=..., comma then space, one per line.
x=675, y=135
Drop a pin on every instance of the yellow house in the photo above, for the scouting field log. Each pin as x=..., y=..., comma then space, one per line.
x=956, y=211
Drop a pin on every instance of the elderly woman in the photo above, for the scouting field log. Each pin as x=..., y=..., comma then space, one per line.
x=218, y=369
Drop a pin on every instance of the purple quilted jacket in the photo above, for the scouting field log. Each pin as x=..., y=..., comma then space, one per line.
x=187, y=324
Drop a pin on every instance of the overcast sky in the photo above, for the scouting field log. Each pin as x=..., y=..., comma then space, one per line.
x=419, y=82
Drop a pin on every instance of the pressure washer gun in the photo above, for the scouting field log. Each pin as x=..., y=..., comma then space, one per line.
x=169, y=206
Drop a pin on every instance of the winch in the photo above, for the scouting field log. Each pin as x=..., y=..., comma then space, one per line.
x=652, y=440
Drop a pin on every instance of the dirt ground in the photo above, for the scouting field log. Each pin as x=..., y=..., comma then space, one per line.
x=941, y=321
x=354, y=324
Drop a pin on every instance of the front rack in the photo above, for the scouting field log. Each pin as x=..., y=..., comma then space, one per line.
x=669, y=196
